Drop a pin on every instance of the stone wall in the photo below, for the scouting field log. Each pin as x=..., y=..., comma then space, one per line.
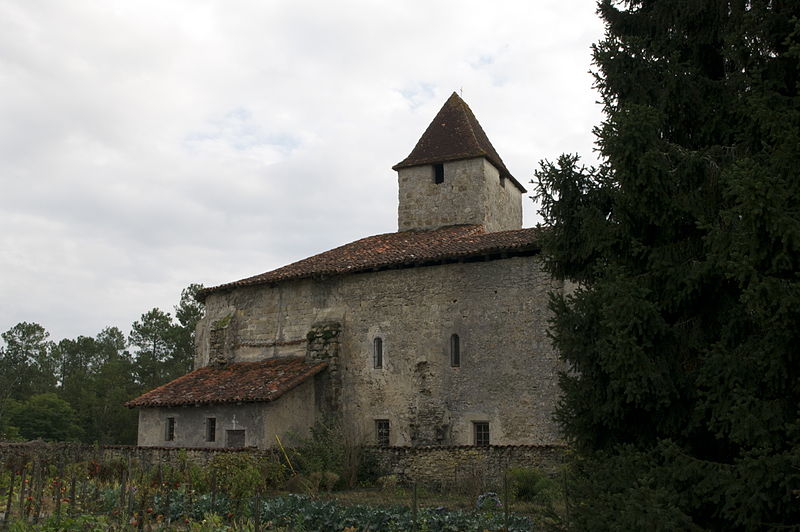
x=451, y=468
x=508, y=371
x=446, y=468
x=77, y=452
x=472, y=193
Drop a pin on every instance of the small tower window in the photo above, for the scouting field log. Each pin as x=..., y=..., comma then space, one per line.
x=455, y=351
x=438, y=173
x=377, y=353
x=382, y=432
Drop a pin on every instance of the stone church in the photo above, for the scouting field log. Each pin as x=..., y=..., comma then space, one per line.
x=430, y=336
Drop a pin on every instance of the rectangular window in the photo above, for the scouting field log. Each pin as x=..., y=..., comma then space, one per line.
x=377, y=353
x=382, y=432
x=481, y=429
x=169, y=429
x=211, y=429
x=438, y=173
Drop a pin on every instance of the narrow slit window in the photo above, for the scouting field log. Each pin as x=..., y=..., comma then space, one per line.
x=481, y=429
x=382, y=432
x=438, y=173
x=455, y=351
x=169, y=429
x=211, y=429
x=377, y=353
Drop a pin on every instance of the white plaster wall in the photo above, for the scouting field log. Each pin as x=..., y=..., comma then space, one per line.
x=190, y=424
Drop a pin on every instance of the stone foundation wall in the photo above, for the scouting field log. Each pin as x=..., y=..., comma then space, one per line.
x=462, y=467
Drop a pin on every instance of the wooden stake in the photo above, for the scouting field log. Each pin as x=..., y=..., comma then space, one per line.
x=22, y=491
x=7, y=515
x=414, y=508
x=505, y=499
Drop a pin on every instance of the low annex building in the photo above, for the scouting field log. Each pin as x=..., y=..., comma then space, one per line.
x=433, y=335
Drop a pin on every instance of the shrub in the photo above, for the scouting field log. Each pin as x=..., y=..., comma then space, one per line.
x=330, y=450
x=242, y=474
x=532, y=485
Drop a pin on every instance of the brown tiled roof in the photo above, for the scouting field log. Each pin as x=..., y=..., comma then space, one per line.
x=241, y=382
x=400, y=250
x=455, y=134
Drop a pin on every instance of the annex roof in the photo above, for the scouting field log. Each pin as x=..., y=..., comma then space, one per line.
x=403, y=249
x=242, y=382
x=455, y=134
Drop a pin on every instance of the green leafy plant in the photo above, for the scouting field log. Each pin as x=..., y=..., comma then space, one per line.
x=528, y=484
x=330, y=451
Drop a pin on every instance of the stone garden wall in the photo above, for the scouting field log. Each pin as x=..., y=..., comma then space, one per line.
x=462, y=467
x=455, y=468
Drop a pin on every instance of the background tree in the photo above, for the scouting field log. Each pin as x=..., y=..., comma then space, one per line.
x=27, y=365
x=153, y=338
x=682, y=334
x=99, y=379
x=45, y=416
x=93, y=377
x=188, y=312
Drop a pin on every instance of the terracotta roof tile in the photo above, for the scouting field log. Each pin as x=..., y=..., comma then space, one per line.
x=455, y=134
x=234, y=383
x=399, y=250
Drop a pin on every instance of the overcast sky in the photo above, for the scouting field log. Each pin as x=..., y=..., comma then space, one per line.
x=146, y=145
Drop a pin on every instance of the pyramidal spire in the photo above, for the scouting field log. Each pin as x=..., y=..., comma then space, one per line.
x=455, y=134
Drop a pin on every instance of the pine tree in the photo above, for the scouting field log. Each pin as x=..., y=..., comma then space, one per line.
x=682, y=334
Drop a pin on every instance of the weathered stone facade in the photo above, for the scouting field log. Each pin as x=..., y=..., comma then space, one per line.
x=471, y=192
x=508, y=370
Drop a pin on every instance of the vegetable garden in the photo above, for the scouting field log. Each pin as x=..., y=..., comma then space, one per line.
x=62, y=487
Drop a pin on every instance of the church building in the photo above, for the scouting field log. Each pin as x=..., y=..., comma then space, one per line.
x=430, y=336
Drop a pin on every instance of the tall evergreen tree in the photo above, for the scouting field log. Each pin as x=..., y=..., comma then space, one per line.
x=188, y=312
x=164, y=349
x=96, y=379
x=682, y=334
x=153, y=336
x=27, y=365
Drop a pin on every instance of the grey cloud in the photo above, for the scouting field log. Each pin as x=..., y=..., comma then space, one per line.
x=148, y=145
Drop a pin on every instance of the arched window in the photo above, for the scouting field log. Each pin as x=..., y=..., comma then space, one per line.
x=455, y=351
x=377, y=353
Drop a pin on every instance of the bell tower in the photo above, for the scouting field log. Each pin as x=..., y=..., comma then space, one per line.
x=454, y=176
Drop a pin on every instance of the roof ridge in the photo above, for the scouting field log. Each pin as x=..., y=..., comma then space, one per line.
x=401, y=249
x=470, y=114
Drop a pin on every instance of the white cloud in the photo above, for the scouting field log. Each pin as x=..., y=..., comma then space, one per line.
x=148, y=145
